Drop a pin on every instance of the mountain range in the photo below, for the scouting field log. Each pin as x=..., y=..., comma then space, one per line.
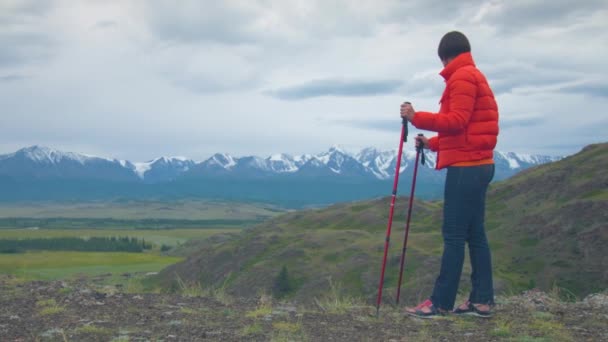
x=38, y=172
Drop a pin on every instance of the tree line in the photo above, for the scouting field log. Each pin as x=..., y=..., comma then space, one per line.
x=79, y=223
x=93, y=244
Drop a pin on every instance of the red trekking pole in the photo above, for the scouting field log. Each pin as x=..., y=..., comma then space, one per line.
x=409, y=214
x=391, y=211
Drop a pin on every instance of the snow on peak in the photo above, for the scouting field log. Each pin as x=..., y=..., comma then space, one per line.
x=224, y=160
x=42, y=154
x=170, y=160
x=255, y=162
x=367, y=153
x=510, y=158
x=336, y=148
x=278, y=157
x=281, y=163
x=302, y=159
x=141, y=168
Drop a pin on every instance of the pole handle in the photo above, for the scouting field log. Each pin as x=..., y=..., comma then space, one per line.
x=420, y=149
x=404, y=123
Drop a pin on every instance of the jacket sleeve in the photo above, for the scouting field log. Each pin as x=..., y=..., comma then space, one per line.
x=434, y=144
x=461, y=92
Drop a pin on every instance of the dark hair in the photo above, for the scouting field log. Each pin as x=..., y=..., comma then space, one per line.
x=453, y=44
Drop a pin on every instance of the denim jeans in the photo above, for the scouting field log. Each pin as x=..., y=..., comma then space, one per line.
x=463, y=221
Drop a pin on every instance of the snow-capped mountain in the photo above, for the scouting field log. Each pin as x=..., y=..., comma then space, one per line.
x=38, y=162
x=383, y=163
x=44, y=162
x=284, y=163
x=163, y=168
x=518, y=160
x=41, y=172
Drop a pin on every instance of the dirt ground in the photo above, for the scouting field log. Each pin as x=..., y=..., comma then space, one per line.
x=82, y=311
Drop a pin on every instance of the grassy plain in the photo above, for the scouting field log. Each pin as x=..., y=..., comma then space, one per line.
x=156, y=222
x=46, y=265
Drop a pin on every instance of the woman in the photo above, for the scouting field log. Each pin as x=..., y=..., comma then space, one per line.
x=467, y=127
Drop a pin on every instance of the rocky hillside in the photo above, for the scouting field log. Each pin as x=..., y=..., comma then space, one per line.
x=82, y=311
x=547, y=228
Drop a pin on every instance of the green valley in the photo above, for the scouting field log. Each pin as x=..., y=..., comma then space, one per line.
x=162, y=225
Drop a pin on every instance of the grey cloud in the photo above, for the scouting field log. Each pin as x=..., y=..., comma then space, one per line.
x=504, y=78
x=600, y=126
x=420, y=11
x=272, y=22
x=337, y=87
x=423, y=87
x=196, y=21
x=518, y=16
x=23, y=48
x=22, y=38
x=207, y=85
x=379, y=125
x=106, y=24
x=507, y=123
x=12, y=78
x=14, y=11
x=598, y=89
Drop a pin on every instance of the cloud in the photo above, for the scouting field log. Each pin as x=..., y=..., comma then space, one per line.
x=210, y=69
x=23, y=36
x=12, y=78
x=505, y=76
x=137, y=79
x=336, y=87
x=200, y=21
x=104, y=24
x=530, y=121
x=14, y=10
x=590, y=88
x=520, y=16
x=24, y=47
x=379, y=125
x=263, y=21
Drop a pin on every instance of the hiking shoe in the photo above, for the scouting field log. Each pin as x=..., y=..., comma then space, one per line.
x=420, y=312
x=472, y=310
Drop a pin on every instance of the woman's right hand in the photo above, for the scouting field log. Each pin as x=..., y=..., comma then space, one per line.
x=421, y=139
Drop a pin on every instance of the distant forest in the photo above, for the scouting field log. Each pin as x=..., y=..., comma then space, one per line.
x=94, y=244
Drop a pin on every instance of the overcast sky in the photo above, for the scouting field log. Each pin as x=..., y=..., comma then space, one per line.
x=142, y=79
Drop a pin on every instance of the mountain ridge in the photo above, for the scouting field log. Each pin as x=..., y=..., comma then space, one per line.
x=367, y=162
x=42, y=173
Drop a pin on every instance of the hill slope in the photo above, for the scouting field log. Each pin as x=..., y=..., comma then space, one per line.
x=549, y=224
x=546, y=226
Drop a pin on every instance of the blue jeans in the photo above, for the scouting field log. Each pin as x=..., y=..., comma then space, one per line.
x=463, y=221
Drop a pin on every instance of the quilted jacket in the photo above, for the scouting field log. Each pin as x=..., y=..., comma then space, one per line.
x=467, y=122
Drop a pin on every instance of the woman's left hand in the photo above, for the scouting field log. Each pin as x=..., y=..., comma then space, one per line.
x=407, y=111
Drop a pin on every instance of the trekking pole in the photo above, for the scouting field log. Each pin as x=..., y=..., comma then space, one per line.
x=391, y=211
x=409, y=214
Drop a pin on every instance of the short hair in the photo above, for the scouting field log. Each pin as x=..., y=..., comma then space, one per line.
x=453, y=44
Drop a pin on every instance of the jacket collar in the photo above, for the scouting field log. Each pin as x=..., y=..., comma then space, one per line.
x=462, y=60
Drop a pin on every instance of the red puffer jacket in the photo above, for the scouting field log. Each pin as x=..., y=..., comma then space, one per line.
x=467, y=121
